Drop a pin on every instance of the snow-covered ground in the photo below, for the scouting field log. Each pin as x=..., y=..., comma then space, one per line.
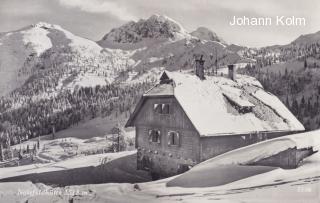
x=38, y=39
x=64, y=154
x=71, y=163
x=89, y=80
x=249, y=184
x=82, y=145
x=261, y=185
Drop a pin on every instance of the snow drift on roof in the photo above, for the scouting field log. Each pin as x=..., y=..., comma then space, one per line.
x=278, y=106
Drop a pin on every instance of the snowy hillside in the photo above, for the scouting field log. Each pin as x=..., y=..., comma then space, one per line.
x=17, y=53
x=50, y=52
x=291, y=72
x=307, y=39
x=49, y=49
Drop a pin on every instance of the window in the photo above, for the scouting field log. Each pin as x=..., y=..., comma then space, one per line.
x=154, y=136
x=157, y=108
x=162, y=108
x=165, y=109
x=173, y=138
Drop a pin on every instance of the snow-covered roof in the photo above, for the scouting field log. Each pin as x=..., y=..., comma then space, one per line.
x=215, y=106
x=249, y=155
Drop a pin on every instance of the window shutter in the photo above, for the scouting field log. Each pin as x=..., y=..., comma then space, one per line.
x=159, y=136
x=150, y=135
x=155, y=106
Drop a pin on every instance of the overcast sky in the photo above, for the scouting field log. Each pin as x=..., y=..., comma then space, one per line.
x=94, y=18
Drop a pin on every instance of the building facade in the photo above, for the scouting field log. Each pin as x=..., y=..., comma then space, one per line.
x=176, y=127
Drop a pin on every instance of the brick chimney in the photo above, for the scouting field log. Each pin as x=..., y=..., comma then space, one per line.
x=232, y=71
x=200, y=68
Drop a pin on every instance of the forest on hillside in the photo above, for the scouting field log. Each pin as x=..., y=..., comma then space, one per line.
x=68, y=108
x=297, y=86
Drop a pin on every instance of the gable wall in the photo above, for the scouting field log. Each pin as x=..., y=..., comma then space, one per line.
x=165, y=159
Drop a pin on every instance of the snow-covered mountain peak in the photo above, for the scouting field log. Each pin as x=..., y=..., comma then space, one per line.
x=45, y=25
x=204, y=33
x=58, y=36
x=155, y=27
x=158, y=19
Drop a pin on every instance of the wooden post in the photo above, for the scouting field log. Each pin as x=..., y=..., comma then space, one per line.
x=216, y=62
x=1, y=152
x=119, y=140
x=38, y=143
x=53, y=130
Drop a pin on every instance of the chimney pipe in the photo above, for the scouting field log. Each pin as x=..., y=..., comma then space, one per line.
x=232, y=72
x=200, y=68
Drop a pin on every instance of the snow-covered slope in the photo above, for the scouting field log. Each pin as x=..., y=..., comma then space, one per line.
x=307, y=39
x=42, y=47
x=18, y=51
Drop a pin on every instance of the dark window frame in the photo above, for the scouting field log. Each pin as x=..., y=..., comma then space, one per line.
x=173, y=138
x=154, y=136
x=162, y=108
